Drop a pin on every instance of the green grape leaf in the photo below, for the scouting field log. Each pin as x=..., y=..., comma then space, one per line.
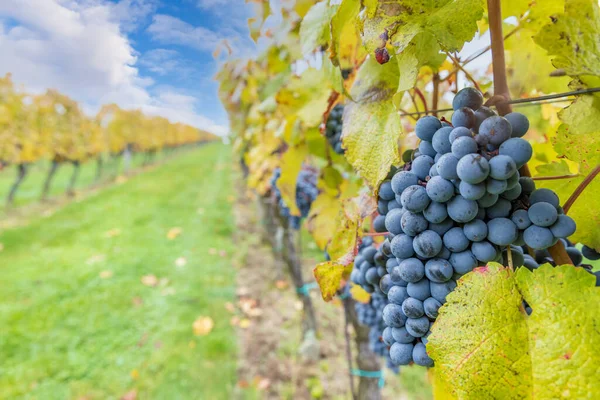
x=422, y=50
x=371, y=126
x=582, y=149
x=572, y=37
x=583, y=115
x=306, y=96
x=314, y=29
x=485, y=344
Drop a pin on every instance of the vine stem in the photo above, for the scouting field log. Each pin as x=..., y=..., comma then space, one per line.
x=555, y=177
x=422, y=97
x=460, y=67
x=510, y=259
x=347, y=304
x=436, y=92
x=588, y=179
x=557, y=251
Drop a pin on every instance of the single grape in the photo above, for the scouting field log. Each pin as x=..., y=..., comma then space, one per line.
x=521, y=219
x=391, y=263
x=464, y=145
x=468, y=97
x=441, y=140
x=427, y=149
x=459, y=132
x=590, y=253
x=464, y=117
x=487, y=200
x=382, y=207
x=402, y=246
x=414, y=198
x=439, y=291
x=421, y=166
x=403, y=179
x=495, y=186
x=471, y=191
x=513, y=193
x=417, y=327
x=472, y=168
x=385, y=284
x=502, y=167
x=379, y=223
x=431, y=307
x=397, y=294
x=484, y=251
x=412, y=224
x=544, y=195
x=513, y=180
x=413, y=308
x=447, y=166
x=393, y=221
x=393, y=204
x=519, y=123
x=481, y=115
x=538, y=238
x=501, y=209
x=401, y=353
x=420, y=356
x=529, y=262
x=444, y=253
x=435, y=212
x=393, y=316
x=527, y=184
x=427, y=244
x=369, y=255
x=542, y=214
x=439, y=189
x=518, y=149
x=463, y=262
x=462, y=210
x=455, y=240
x=438, y=270
x=475, y=230
x=502, y=231
x=419, y=290
x=385, y=191
x=426, y=127
x=411, y=270
x=496, y=130
x=442, y=227
x=401, y=335
x=372, y=277
x=387, y=335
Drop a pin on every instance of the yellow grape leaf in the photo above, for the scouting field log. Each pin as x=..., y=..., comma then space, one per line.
x=113, y=232
x=441, y=389
x=484, y=343
x=149, y=280
x=291, y=164
x=322, y=218
x=372, y=125
x=314, y=28
x=174, y=232
x=306, y=96
x=359, y=294
x=582, y=149
x=302, y=6
x=329, y=275
x=106, y=274
x=572, y=37
x=202, y=326
x=346, y=45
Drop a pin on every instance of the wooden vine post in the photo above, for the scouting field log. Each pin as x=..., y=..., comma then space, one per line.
x=502, y=96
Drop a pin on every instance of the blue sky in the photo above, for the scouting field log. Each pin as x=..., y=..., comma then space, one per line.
x=155, y=55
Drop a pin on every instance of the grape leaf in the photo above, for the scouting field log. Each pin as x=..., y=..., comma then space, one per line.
x=422, y=50
x=291, y=164
x=314, y=29
x=487, y=347
x=359, y=294
x=345, y=47
x=582, y=149
x=322, y=218
x=329, y=275
x=583, y=115
x=371, y=126
x=306, y=96
x=572, y=37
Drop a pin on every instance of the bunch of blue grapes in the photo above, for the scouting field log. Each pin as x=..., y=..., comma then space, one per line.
x=458, y=203
x=306, y=193
x=333, y=129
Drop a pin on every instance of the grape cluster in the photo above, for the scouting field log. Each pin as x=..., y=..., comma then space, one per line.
x=306, y=193
x=457, y=204
x=333, y=129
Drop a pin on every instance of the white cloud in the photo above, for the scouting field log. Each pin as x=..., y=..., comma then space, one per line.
x=79, y=49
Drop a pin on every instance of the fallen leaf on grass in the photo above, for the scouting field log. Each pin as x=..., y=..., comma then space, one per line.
x=244, y=323
x=120, y=179
x=131, y=395
x=282, y=284
x=262, y=383
x=106, y=274
x=149, y=280
x=174, y=232
x=230, y=307
x=243, y=384
x=230, y=198
x=134, y=374
x=203, y=325
x=180, y=262
x=234, y=321
x=113, y=233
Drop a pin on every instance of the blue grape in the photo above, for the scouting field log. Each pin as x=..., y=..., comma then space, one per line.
x=435, y=212
x=468, y=97
x=442, y=227
x=488, y=200
x=419, y=290
x=379, y=223
x=402, y=246
x=385, y=191
x=475, y=230
x=521, y=219
x=464, y=117
x=527, y=184
x=426, y=127
x=462, y=210
x=372, y=277
x=397, y=294
x=392, y=204
x=417, y=327
x=590, y=253
x=438, y=270
x=563, y=227
x=411, y=270
x=433, y=170
x=401, y=335
x=403, y=179
x=538, y=237
x=439, y=291
x=385, y=284
x=529, y=262
x=473, y=168
x=441, y=140
x=421, y=166
x=444, y=253
x=481, y=115
x=413, y=308
x=459, y=132
x=414, y=198
x=470, y=191
x=544, y=195
x=519, y=123
x=464, y=145
x=391, y=263
x=575, y=255
x=439, y=189
x=447, y=166
x=484, y=251
x=426, y=148
x=502, y=167
x=513, y=180
x=427, y=244
x=431, y=307
x=401, y=353
x=496, y=130
x=495, y=186
x=518, y=258
x=501, y=209
x=393, y=316
x=396, y=278
x=502, y=231
x=369, y=254
x=455, y=240
x=382, y=207
x=393, y=221
x=413, y=224
x=518, y=149
x=512, y=193
x=387, y=336
x=463, y=262
x=542, y=214
x=420, y=356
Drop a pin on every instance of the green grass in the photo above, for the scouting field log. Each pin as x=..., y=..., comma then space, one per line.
x=67, y=333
